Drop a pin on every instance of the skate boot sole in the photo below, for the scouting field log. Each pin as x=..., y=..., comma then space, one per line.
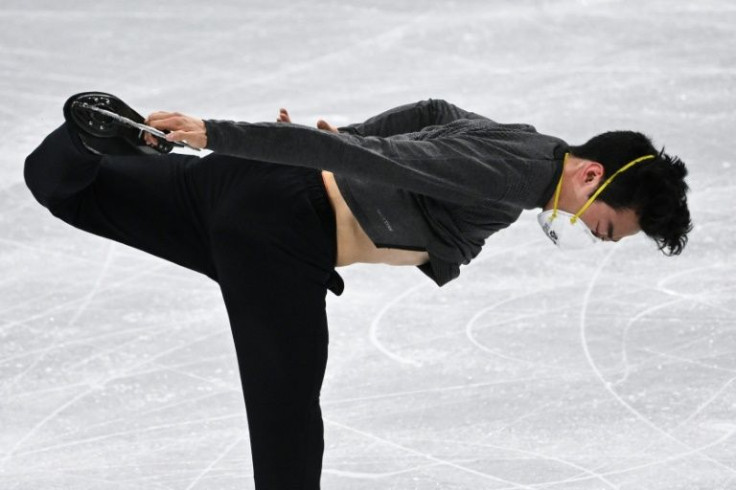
x=107, y=125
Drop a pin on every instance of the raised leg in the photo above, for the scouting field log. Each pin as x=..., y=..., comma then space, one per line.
x=152, y=203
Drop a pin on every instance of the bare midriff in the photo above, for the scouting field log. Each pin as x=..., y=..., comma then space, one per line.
x=353, y=244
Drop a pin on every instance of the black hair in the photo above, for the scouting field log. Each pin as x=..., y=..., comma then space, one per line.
x=655, y=189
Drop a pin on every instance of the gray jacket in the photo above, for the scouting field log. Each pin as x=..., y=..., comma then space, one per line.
x=425, y=176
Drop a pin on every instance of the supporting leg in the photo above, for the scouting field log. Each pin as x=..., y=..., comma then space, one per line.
x=273, y=257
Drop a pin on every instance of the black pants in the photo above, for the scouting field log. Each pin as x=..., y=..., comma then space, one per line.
x=264, y=232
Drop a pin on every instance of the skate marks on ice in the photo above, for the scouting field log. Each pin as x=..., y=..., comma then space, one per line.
x=531, y=371
x=648, y=352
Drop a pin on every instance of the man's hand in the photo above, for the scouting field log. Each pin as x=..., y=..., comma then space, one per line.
x=324, y=125
x=321, y=124
x=283, y=116
x=185, y=129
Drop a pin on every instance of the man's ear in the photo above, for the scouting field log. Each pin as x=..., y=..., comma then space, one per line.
x=586, y=179
x=591, y=174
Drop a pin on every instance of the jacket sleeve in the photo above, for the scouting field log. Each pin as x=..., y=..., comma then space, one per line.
x=409, y=118
x=457, y=169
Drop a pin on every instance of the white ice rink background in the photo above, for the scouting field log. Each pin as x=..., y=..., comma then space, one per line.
x=613, y=369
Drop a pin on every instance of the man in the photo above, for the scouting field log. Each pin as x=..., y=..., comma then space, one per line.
x=278, y=206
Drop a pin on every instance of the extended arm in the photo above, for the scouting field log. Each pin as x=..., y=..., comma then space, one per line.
x=462, y=169
x=404, y=119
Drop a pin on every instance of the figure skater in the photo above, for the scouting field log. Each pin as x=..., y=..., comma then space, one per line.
x=278, y=206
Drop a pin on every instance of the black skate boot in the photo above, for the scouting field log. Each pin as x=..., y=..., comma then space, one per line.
x=108, y=126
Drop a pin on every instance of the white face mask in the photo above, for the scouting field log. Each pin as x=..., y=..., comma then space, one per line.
x=568, y=231
x=565, y=231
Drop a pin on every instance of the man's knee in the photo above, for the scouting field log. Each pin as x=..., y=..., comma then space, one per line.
x=35, y=173
x=57, y=169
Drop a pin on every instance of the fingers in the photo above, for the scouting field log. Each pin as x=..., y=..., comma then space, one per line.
x=197, y=139
x=180, y=128
x=324, y=125
x=172, y=121
x=283, y=116
x=158, y=115
x=155, y=116
x=149, y=139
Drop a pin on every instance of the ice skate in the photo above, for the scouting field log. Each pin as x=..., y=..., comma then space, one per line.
x=108, y=126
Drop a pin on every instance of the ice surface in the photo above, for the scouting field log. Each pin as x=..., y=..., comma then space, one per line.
x=613, y=369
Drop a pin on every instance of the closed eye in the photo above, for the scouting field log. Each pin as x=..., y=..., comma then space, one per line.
x=610, y=233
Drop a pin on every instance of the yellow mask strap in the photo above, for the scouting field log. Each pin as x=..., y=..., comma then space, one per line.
x=558, y=189
x=605, y=184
